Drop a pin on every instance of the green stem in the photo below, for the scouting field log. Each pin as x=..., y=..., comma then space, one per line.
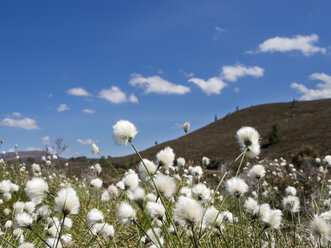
x=241, y=161
x=241, y=222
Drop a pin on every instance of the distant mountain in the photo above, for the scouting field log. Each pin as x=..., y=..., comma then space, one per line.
x=24, y=155
x=305, y=127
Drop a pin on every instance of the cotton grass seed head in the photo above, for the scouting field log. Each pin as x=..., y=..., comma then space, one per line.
x=36, y=189
x=319, y=228
x=186, y=127
x=180, y=162
x=124, y=131
x=290, y=191
x=236, y=186
x=95, y=149
x=201, y=192
x=145, y=171
x=165, y=184
x=248, y=138
x=131, y=181
x=257, y=172
x=187, y=211
x=23, y=220
x=291, y=204
x=155, y=210
x=94, y=216
x=165, y=157
x=126, y=214
x=67, y=201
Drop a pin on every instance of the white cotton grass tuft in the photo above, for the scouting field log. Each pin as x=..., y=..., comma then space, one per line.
x=126, y=214
x=327, y=160
x=155, y=210
x=94, y=216
x=152, y=239
x=23, y=220
x=186, y=127
x=201, y=192
x=319, y=228
x=257, y=172
x=113, y=191
x=26, y=245
x=124, y=131
x=53, y=242
x=145, y=171
x=212, y=216
x=138, y=196
x=236, y=186
x=291, y=191
x=67, y=201
x=205, y=161
x=251, y=205
x=187, y=211
x=96, y=183
x=130, y=181
x=248, y=138
x=36, y=190
x=95, y=148
x=180, y=162
x=291, y=204
x=273, y=219
x=165, y=157
x=165, y=184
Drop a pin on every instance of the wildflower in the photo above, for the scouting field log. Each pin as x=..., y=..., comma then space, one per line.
x=165, y=184
x=96, y=183
x=185, y=191
x=29, y=207
x=257, y=172
x=23, y=220
x=327, y=160
x=105, y=196
x=165, y=157
x=95, y=149
x=138, y=196
x=248, y=138
x=36, y=189
x=35, y=168
x=180, y=162
x=126, y=213
x=228, y=216
x=94, y=216
x=291, y=204
x=201, y=192
x=67, y=201
x=150, y=168
x=18, y=207
x=155, y=210
x=196, y=171
x=236, y=186
x=151, y=197
x=104, y=229
x=8, y=224
x=124, y=131
x=187, y=211
x=43, y=212
x=66, y=238
x=319, y=228
x=186, y=127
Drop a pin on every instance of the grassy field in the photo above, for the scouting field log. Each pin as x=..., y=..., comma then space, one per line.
x=251, y=202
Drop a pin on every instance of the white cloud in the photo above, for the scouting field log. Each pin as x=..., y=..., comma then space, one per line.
x=304, y=44
x=25, y=123
x=33, y=149
x=213, y=85
x=115, y=95
x=78, y=92
x=217, y=32
x=323, y=90
x=46, y=140
x=156, y=84
x=232, y=73
x=16, y=114
x=62, y=107
x=85, y=142
x=89, y=111
x=237, y=90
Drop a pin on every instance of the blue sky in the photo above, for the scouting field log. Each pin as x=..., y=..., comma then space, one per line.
x=71, y=69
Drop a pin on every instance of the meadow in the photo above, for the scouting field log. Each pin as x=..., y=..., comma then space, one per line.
x=168, y=202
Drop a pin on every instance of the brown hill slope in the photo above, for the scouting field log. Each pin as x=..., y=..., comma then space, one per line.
x=306, y=128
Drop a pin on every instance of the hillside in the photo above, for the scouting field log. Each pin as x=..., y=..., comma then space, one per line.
x=305, y=127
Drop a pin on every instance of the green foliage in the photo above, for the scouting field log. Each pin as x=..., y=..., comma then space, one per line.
x=275, y=136
x=30, y=160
